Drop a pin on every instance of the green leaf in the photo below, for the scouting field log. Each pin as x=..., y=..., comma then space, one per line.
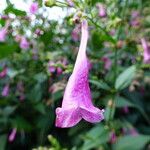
x=40, y=107
x=6, y=49
x=100, y=84
x=8, y=110
x=95, y=137
x=125, y=78
x=131, y=142
x=3, y=139
x=17, y=12
x=122, y=102
x=40, y=77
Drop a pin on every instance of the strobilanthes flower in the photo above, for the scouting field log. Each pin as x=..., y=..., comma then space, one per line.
x=33, y=8
x=24, y=44
x=77, y=103
x=146, y=51
x=12, y=135
x=5, y=91
x=101, y=10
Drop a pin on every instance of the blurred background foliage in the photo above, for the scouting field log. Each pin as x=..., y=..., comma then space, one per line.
x=37, y=57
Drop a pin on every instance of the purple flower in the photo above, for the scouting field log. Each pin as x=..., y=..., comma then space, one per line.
x=133, y=132
x=3, y=33
x=12, y=135
x=59, y=70
x=146, y=51
x=24, y=44
x=34, y=8
x=77, y=102
x=101, y=10
x=51, y=67
x=70, y=3
x=75, y=33
x=126, y=109
x=3, y=73
x=5, y=90
x=113, y=137
x=107, y=63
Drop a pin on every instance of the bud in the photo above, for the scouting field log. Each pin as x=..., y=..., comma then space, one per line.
x=50, y=3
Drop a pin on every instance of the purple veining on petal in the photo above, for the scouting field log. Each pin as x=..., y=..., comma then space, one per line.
x=77, y=103
x=146, y=51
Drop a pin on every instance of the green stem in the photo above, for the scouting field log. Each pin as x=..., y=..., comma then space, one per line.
x=102, y=29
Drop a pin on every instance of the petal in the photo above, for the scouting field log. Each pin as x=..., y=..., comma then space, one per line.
x=67, y=118
x=93, y=115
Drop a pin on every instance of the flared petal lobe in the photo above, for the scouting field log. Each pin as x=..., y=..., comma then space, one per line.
x=77, y=103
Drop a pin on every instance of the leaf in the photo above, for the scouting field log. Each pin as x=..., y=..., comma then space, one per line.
x=100, y=84
x=125, y=78
x=17, y=12
x=122, y=102
x=40, y=77
x=95, y=137
x=6, y=49
x=8, y=110
x=3, y=139
x=131, y=142
x=40, y=107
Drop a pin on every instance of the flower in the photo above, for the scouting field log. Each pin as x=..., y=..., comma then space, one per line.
x=107, y=62
x=133, y=132
x=77, y=102
x=24, y=44
x=101, y=10
x=113, y=137
x=5, y=90
x=3, y=73
x=75, y=33
x=12, y=135
x=33, y=8
x=70, y=3
x=146, y=51
x=3, y=33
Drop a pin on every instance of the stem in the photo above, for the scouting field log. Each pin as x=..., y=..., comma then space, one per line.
x=102, y=29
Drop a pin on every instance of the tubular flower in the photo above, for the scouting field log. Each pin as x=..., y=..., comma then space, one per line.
x=146, y=51
x=5, y=91
x=3, y=33
x=24, y=44
x=101, y=10
x=77, y=102
x=12, y=135
x=34, y=8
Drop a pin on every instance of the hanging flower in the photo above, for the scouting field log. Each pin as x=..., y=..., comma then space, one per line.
x=70, y=3
x=24, y=44
x=101, y=10
x=33, y=8
x=75, y=33
x=107, y=63
x=113, y=137
x=77, y=102
x=3, y=73
x=3, y=33
x=5, y=91
x=12, y=135
x=146, y=51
